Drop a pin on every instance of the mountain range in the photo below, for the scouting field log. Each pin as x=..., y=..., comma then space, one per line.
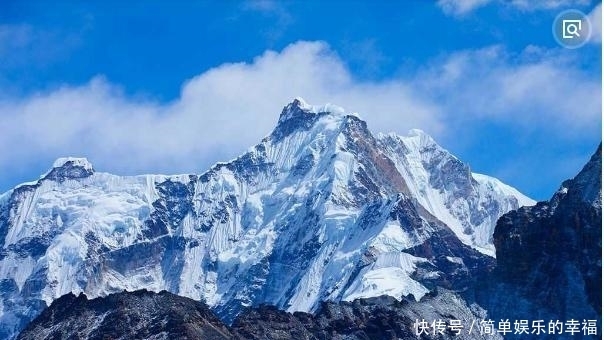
x=320, y=214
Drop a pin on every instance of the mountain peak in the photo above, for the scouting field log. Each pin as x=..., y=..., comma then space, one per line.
x=300, y=102
x=69, y=168
x=72, y=162
x=421, y=138
x=300, y=107
x=587, y=185
x=300, y=115
x=417, y=133
x=416, y=140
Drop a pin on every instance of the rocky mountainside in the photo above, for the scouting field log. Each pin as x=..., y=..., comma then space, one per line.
x=381, y=318
x=148, y=315
x=319, y=210
x=549, y=256
x=133, y=315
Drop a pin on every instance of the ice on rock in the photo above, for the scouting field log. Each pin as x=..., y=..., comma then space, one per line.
x=468, y=203
x=329, y=108
x=73, y=161
x=389, y=275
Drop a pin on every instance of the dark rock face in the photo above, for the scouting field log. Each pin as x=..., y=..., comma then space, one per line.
x=458, y=275
x=361, y=319
x=136, y=315
x=147, y=315
x=375, y=318
x=549, y=256
x=170, y=209
x=294, y=117
x=69, y=170
x=9, y=207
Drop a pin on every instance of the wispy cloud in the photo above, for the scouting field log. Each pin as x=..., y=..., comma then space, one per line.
x=365, y=56
x=537, y=87
x=275, y=10
x=22, y=44
x=14, y=36
x=267, y=6
x=463, y=7
x=532, y=5
x=223, y=111
x=595, y=17
x=460, y=7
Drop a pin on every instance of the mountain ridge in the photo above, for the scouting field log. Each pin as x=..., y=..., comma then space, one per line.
x=510, y=291
x=147, y=315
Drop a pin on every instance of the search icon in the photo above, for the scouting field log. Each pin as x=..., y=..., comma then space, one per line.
x=571, y=28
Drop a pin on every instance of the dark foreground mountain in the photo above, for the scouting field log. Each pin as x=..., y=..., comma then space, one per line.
x=549, y=257
x=133, y=315
x=147, y=315
x=381, y=318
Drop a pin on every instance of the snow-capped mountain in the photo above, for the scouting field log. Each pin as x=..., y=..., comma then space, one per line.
x=321, y=209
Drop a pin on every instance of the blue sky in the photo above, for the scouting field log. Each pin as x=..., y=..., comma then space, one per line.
x=164, y=87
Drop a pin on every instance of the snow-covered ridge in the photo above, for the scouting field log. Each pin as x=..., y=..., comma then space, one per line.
x=300, y=109
x=328, y=107
x=321, y=209
x=468, y=203
x=73, y=161
x=499, y=187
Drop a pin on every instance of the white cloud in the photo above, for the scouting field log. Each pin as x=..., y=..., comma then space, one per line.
x=595, y=17
x=223, y=111
x=463, y=7
x=460, y=7
x=218, y=115
x=531, y=5
x=536, y=88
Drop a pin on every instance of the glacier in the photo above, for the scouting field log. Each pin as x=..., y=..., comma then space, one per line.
x=320, y=210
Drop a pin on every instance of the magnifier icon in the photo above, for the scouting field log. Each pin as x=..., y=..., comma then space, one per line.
x=571, y=28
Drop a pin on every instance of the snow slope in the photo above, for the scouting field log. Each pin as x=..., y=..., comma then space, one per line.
x=469, y=203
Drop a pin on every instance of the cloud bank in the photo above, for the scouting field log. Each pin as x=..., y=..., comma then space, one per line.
x=223, y=111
